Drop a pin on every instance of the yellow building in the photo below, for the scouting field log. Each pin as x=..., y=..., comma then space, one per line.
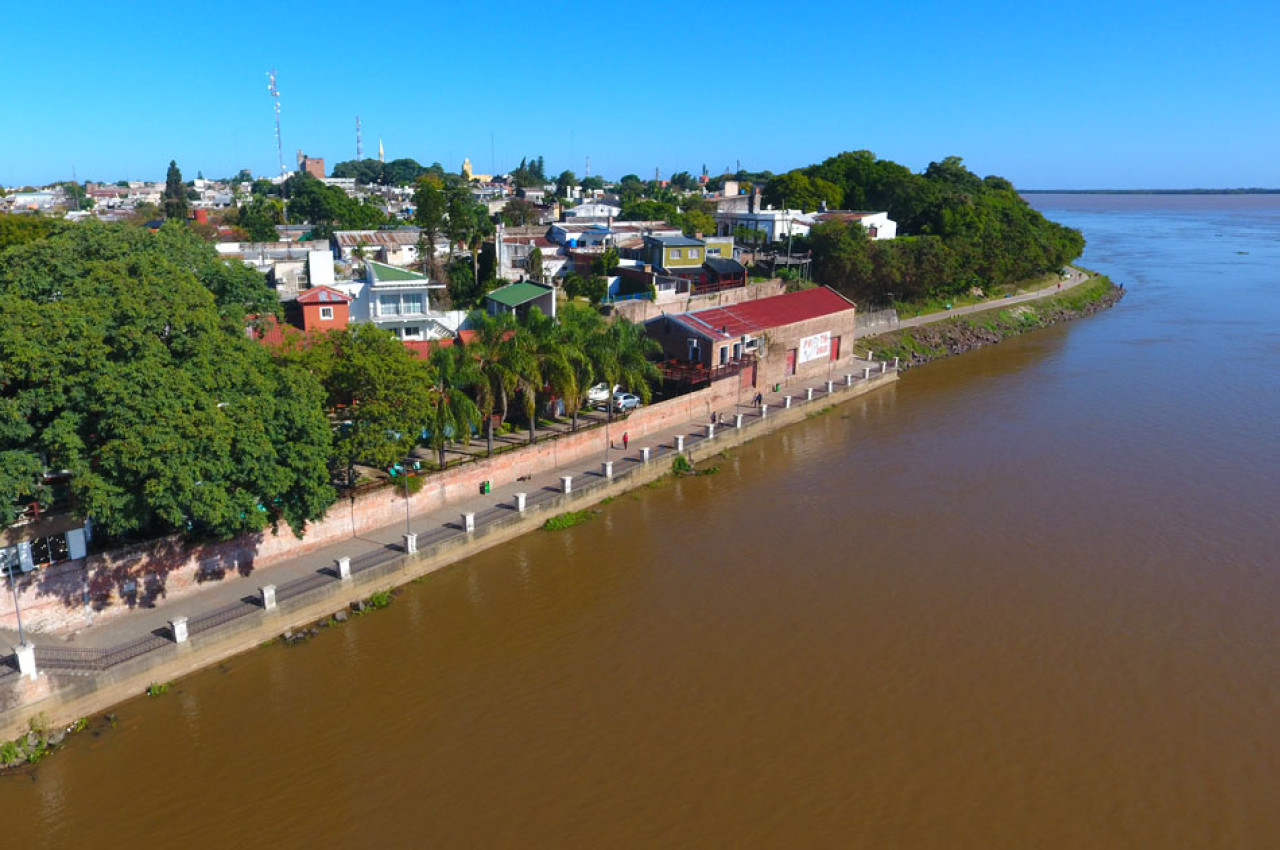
x=466, y=172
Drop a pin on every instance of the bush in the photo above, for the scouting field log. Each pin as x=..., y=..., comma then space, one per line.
x=567, y=520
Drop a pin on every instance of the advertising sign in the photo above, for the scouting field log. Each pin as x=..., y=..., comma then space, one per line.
x=816, y=347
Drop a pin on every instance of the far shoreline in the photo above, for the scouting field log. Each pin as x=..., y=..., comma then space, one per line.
x=1249, y=191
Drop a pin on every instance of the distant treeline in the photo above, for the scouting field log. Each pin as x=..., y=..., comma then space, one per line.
x=959, y=230
x=1249, y=191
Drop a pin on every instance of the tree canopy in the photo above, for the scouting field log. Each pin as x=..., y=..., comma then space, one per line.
x=174, y=199
x=119, y=363
x=960, y=230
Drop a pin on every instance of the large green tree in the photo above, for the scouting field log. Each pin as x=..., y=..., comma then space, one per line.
x=376, y=392
x=119, y=367
x=42, y=269
x=174, y=199
x=451, y=414
x=430, y=208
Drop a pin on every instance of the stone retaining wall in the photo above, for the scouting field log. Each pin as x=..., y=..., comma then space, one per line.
x=105, y=585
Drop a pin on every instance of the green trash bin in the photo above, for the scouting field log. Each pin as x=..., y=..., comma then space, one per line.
x=777, y=388
x=484, y=488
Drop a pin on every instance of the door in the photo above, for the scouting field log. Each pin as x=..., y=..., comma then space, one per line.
x=791, y=362
x=835, y=349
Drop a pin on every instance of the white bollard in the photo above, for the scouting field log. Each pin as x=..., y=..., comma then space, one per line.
x=895, y=364
x=679, y=442
x=410, y=543
x=268, y=592
x=520, y=497
x=711, y=430
x=866, y=372
x=848, y=380
x=607, y=468
x=469, y=522
x=344, y=567
x=809, y=394
x=566, y=483
x=178, y=628
x=737, y=420
x=644, y=454
x=787, y=402
x=764, y=411
x=830, y=386
x=884, y=366
x=26, y=655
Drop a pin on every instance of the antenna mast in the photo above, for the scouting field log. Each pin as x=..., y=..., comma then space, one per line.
x=359, y=144
x=275, y=96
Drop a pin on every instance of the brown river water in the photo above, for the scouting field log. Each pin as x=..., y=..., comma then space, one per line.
x=1027, y=597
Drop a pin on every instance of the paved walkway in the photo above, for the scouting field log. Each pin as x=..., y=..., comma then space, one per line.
x=1075, y=278
x=225, y=596
x=437, y=525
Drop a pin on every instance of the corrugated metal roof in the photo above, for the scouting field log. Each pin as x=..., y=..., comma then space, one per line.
x=376, y=238
x=755, y=316
x=322, y=295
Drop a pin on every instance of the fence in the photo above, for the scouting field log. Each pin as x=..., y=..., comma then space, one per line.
x=887, y=318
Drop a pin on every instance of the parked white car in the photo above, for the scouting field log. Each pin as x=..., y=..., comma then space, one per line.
x=600, y=393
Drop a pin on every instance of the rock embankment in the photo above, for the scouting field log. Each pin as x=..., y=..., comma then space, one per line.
x=918, y=345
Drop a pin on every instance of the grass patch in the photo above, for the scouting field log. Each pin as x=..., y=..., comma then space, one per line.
x=156, y=689
x=381, y=599
x=567, y=520
x=827, y=409
x=938, y=339
x=680, y=465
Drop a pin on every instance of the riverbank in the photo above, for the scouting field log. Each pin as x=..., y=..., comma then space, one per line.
x=915, y=346
x=78, y=682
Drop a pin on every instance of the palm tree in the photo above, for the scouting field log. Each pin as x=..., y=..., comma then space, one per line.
x=493, y=355
x=580, y=325
x=622, y=355
x=542, y=363
x=450, y=412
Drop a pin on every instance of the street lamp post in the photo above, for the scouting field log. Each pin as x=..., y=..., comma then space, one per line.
x=13, y=583
x=405, y=472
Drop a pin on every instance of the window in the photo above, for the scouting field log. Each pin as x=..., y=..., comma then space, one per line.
x=724, y=355
x=388, y=305
x=411, y=304
x=326, y=314
x=693, y=253
x=675, y=253
x=412, y=332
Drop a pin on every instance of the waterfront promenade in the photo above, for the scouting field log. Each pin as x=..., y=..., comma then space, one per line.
x=309, y=584
x=97, y=664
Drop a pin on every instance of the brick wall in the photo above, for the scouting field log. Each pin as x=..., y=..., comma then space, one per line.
x=108, y=584
x=642, y=311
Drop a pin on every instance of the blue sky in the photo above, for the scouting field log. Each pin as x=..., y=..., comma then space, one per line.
x=1050, y=95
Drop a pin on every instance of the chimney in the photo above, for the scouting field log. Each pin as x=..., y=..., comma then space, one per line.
x=697, y=234
x=753, y=203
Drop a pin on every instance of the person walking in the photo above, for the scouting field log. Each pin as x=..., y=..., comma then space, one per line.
x=626, y=438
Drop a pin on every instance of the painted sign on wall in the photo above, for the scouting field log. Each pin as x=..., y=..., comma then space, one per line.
x=816, y=347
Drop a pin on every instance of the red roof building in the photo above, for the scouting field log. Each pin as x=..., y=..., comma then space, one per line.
x=786, y=337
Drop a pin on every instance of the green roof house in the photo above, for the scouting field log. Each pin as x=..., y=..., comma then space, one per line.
x=519, y=297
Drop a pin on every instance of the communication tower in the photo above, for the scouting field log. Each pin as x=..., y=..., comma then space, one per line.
x=275, y=96
x=359, y=144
